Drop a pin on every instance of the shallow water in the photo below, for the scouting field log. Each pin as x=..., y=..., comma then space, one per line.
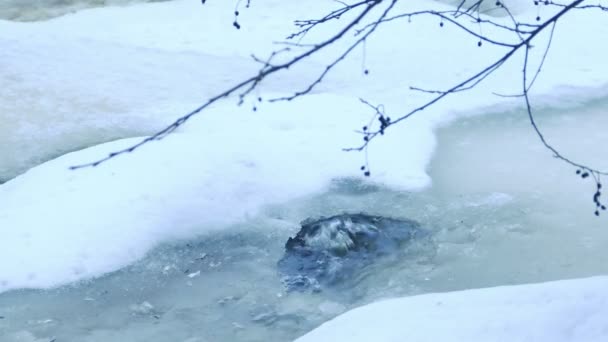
x=501, y=210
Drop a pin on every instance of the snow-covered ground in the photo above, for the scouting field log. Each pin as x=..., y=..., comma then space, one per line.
x=564, y=311
x=110, y=73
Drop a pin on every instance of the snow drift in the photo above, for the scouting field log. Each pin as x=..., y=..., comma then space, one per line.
x=562, y=311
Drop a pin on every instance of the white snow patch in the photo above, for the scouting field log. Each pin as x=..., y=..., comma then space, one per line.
x=561, y=311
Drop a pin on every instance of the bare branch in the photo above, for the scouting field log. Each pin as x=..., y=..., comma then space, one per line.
x=252, y=82
x=475, y=79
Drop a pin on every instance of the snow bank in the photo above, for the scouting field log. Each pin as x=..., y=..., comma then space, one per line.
x=98, y=74
x=572, y=310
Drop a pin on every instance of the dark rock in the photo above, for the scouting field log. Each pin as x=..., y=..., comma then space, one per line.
x=327, y=251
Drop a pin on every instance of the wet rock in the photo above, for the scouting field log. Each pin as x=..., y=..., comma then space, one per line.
x=328, y=251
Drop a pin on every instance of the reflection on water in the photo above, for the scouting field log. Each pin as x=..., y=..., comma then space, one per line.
x=501, y=211
x=33, y=10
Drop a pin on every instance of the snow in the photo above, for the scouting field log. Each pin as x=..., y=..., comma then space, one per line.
x=561, y=311
x=97, y=82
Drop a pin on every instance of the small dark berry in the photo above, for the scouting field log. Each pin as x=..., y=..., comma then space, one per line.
x=578, y=172
x=255, y=109
x=362, y=167
x=585, y=175
x=365, y=128
x=366, y=72
x=479, y=43
x=597, y=213
x=237, y=25
x=538, y=18
x=441, y=24
x=236, y=13
x=367, y=173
